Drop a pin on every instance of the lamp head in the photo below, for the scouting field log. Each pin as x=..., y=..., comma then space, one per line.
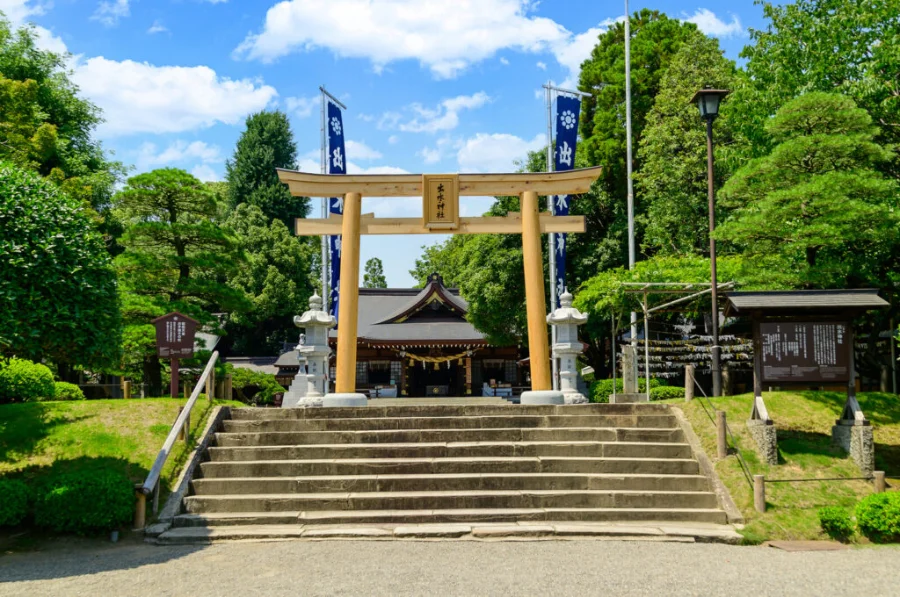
x=708, y=100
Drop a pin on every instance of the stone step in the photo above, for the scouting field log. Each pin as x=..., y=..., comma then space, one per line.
x=425, y=466
x=374, y=411
x=594, y=449
x=418, y=500
x=638, y=530
x=448, y=482
x=403, y=436
x=463, y=422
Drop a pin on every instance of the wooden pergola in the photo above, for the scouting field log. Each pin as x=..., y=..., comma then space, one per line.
x=440, y=195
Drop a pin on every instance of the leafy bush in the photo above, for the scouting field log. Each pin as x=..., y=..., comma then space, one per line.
x=878, y=517
x=665, y=392
x=24, y=381
x=836, y=523
x=13, y=502
x=85, y=502
x=253, y=386
x=602, y=388
x=68, y=391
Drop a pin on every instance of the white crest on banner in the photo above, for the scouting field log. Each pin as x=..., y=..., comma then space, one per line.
x=336, y=125
x=565, y=154
x=338, y=159
x=567, y=119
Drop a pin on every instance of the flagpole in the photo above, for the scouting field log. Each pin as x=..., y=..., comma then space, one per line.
x=325, y=294
x=628, y=164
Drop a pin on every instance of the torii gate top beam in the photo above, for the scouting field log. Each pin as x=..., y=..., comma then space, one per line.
x=570, y=182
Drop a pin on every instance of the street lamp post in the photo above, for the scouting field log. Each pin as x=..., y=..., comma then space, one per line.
x=707, y=101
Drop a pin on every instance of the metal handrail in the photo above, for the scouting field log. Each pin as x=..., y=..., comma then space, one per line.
x=151, y=484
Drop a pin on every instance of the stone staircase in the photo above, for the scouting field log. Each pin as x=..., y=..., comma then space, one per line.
x=390, y=470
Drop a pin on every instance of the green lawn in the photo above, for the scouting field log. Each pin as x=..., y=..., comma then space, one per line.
x=40, y=438
x=804, y=421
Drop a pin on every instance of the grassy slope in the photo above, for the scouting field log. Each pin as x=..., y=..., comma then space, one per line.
x=804, y=421
x=40, y=438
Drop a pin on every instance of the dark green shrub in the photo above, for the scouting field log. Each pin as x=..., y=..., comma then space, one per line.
x=253, y=386
x=13, y=502
x=878, y=517
x=68, y=391
x=665, y=392
x=602, y=388
x=24, y=381
x=836, y=523
x=85, y=502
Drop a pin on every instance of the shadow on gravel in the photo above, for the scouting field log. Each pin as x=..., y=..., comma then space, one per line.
x=69, y=557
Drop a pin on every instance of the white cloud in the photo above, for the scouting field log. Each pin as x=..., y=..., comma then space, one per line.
x=710, y=24
x=205, y=173
x=365, y=117
x=504, y=61
x=178, y=151
x=574, y=50
x=495, y=152
x=301, y=107
x=360, y=151
x=444, y=117
x=18, y=12
x=445, y=37
x=109, y=12
x=430, y=155
x=393, y=139
x=541, y=65
x=137, y=97
x=157, y=27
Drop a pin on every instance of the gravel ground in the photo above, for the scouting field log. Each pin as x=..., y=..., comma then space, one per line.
x=586, y=567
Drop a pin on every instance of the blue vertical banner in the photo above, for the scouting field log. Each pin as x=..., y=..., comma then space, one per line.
x=336, y=163
x=567, y=111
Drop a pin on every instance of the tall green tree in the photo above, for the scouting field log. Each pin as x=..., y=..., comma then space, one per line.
x=57, y=283
x=374, y=274
x=843, y=46
x=672, y=182
x=176, y=258
x=817, y=199
x=277, y=278
x=266, y=144
x=41, y=104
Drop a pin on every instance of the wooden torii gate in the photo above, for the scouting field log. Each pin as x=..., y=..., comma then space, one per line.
x=440, y=194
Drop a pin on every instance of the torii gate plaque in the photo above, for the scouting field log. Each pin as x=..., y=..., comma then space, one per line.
x=440, y=216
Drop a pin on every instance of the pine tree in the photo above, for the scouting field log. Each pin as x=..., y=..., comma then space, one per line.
x=374, y=276
x=266, y=144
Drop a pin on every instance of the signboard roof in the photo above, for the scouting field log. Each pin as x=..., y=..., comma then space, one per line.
x=799, y=302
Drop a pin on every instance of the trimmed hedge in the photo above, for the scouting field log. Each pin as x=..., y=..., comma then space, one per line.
x=68, y=391
x=666, y=392
x=24, y=381
x=254, y=387
x=602, y=388
x=14, y=496
x=836, y=523
x=85, y=502
x=878, y=517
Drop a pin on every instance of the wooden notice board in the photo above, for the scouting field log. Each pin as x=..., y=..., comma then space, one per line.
x=175, y=336
x=805, y=351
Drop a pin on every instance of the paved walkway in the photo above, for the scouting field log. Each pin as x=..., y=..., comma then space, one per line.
x=447, y=568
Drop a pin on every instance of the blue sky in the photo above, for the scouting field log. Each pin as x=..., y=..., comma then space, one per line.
x=431, y=86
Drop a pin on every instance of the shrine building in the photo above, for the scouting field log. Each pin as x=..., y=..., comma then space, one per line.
x=417, y=342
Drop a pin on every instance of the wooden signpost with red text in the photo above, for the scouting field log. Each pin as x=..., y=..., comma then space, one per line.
x=175, y=340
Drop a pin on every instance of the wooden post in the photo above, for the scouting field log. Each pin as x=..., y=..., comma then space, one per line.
x=181, y=434
x=187, y=388
x=211, y=385
x=349, y=296
x=468, y=362
x=880, y=485
x=688, y=383
x=140, y=510
x=126, y=389
x=535, y=303
x=173, y=384
x=227, y=395
x=721, y=443
x=759, y=493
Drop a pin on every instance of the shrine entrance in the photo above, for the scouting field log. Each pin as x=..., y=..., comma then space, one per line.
x=440, y=215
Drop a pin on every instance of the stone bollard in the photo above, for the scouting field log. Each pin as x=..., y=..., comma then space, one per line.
x=879, y=482
x=721, y=441
x=688, y=383
x=759, y=493
x=227, y=395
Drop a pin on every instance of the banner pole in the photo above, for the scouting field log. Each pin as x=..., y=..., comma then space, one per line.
x=552, y=237
x=324, y=204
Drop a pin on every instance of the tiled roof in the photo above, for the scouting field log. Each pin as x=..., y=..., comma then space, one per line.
x=799, y=301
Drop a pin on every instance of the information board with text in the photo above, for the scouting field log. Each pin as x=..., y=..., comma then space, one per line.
x=803, y=351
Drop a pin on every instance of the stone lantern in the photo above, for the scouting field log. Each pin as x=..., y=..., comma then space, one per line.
x=310, y=386
x=567, y=347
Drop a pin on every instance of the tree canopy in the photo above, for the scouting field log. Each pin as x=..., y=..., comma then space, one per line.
x=57, y=283
x=374, y=274
x=266, y=144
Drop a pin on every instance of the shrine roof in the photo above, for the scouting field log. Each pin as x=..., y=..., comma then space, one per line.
x=800, y=302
